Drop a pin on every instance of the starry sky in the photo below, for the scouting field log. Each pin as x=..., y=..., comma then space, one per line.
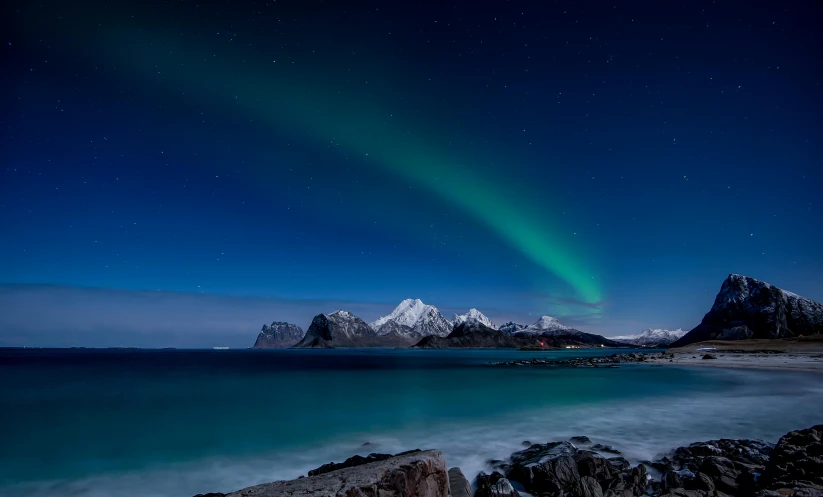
x=607, y=163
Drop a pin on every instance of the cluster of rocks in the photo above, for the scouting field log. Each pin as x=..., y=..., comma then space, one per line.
x=562, y=469
x=577, y=468
x=745, y=468
x=613, y=360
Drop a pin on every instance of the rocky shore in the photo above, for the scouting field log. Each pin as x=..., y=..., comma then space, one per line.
x=810, y=361
x=577, y=468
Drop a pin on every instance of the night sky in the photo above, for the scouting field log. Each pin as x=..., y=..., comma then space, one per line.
x=608, y=164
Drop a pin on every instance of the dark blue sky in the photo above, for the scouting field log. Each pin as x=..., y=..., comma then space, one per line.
x=608, y=164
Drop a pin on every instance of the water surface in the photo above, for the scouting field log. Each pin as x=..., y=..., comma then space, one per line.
x=124, y=422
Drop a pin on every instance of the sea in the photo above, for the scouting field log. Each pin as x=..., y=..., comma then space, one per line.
x=133, y=422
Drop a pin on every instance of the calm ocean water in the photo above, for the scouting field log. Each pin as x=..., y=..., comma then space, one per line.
x=178, y=422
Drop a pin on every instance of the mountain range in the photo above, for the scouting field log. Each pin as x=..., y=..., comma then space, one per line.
x=651, y=338
x=744, y=308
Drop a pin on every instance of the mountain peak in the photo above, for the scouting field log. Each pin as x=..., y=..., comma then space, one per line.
x=549, y=323
x=421, y=318
x=746, y=308
x=473, y=316
x=651, y=337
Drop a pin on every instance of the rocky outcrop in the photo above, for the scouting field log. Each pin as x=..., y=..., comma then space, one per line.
x=352, y=462
x=278, y=335
x=592, y=362
x=413, y=474
x=343, y=329
x=796, y=463
x=746, y=308
x=704, y=469
x=459, y=486
x=560, y=468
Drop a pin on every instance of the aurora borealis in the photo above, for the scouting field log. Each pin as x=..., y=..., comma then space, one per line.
x=592, y=163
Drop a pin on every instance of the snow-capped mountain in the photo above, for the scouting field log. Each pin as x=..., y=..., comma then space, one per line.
x=546, y=325
x=511, y=327
x=421, y=318
x=472, y=316
x=747, y=308
x=338, y=329
x=650, y=337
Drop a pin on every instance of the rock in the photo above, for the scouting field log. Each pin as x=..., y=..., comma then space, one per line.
x=708, y=356
x=459, y=486
x=418, y=474
x=701, y=481
x=605, y=448
x=746, y=308
x=580, y=440
x=348, y=463
x=558, y=468
x=592, y=464
x=484, y=483
x=278, y=335
x=211, y=494
x=671, y=479
x=503, y=488
x=722, y=472
x=619, y=463
x=586, y=487
x=797, y=461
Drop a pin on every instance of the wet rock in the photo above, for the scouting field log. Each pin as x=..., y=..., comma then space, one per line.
x=459, y=486
x=672, y=479
x=503, y=488
x=349, y=463
x=419, y=474
x=797, y=462
x=580, y=440
x=592, y=464
x=605, y=448
x=586, y=487
x=709, y=356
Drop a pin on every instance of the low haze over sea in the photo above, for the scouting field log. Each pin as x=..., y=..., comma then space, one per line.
x=125, y=422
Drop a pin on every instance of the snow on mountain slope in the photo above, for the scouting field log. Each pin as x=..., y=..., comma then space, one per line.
x=511, y=327
x=651, y=337
x=421, y=318
x=546, y=325
x=473, y=316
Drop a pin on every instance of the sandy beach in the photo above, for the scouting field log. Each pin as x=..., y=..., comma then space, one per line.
x=794, y=354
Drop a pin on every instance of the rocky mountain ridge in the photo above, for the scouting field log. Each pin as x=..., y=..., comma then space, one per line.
x=421, y=318
x=278, y=335
x=746, y=308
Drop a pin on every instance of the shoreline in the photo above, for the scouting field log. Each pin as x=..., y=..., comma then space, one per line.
x=809, y=363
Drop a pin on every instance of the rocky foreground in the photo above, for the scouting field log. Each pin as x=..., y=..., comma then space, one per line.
x=577, y=468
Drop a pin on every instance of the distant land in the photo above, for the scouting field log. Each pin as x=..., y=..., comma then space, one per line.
x=744, y=308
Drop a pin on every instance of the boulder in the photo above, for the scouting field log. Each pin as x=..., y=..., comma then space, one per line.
x=503, y=488
x=459, y=486
x=414, y=474
x=797, y=462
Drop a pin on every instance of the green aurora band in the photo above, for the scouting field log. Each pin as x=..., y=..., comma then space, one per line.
x=290, y=103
